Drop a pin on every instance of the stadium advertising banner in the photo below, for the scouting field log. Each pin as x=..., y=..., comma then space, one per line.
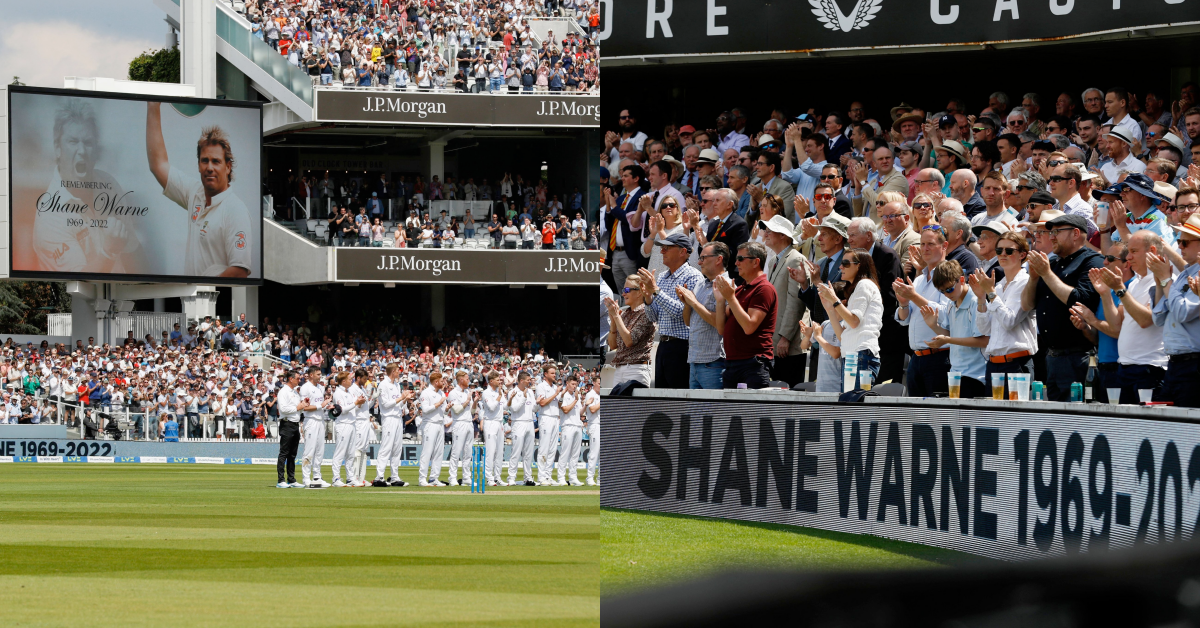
x=432, y=109
x=467, y=266
x=1004, y=484
x=665, y=28
x=113, y=186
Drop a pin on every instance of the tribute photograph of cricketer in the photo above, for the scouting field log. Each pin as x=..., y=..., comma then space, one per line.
x=104, y=185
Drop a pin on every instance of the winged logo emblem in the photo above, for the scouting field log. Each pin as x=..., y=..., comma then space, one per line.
x=830, y=15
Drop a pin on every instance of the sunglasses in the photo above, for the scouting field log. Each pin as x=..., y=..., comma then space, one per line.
x=847, y=263
x=1055, y=163
x=1113, y=258
x=1058, y=179
x=628, y=290
x=1006, y=250
x=922, y=205
x=979, y=129
x=891, y=216
x=828, y=177
x=933, y=228
x=666, y=205
x=742, y=258
x=822, y=197
x=948, y=290
x=922, y=181
x=880, y=203
x=1027, y=187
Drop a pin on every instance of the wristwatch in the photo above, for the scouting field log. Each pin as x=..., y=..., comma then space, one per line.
x=1163, y=283
x=1120, y=293
x=989, y=296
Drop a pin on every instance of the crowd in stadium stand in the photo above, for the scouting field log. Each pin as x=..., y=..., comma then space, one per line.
x=1051, y=237
x=467, y=46
x=210, y=376
x=525, y=215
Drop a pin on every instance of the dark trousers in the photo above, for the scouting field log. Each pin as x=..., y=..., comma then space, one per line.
x=1061, y=371
x=789, y=369
x=891, y=359
x=1019, y=365
x=1180, y=384
x=670, y=363
x=289, y=443
x=927, y=375
x=1107, y=377
x=814, y=354
x=1135, y=377
x=971, y=388
x=752, y=372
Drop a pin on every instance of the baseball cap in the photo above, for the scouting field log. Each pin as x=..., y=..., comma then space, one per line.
x=708, y=156
x=947, y=120
x=687, y=128
x=911, y=146
x=676, y=239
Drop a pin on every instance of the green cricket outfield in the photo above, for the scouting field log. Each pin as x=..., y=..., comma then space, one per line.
x=200, y=545
x=640, y=549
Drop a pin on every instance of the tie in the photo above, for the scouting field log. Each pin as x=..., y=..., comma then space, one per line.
x=825, y=270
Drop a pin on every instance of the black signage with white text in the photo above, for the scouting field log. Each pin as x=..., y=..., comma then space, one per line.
x=1005, y=484
x=701, y=30
x=561, y=109
x=480, y=266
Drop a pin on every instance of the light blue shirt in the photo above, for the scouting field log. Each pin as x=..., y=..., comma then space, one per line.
x=918, y=332
x=959, y=320
x=805, y=178
x=1179, y=315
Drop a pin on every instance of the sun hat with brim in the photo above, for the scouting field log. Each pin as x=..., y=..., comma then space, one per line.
x=1139, y=183
x=908, y=117
x=1191, y=227
x=838, y=223
x=900, y=110
x=1048, y=215
x=1174, y=141
x=780, y=224
x=708, y=156
x=1121, y=133
x=954, y=148
x=1166, y=189
x=766, y=138
x=995, y=226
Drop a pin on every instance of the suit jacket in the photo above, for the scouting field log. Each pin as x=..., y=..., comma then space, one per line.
x=829, y=272
x=790, y=309
x=786, y=193
x=894, y=181
x=842, y=205
x=840, y=146
x=733, y=233
x=907, y=238
x=887, y=267
x=631, y=239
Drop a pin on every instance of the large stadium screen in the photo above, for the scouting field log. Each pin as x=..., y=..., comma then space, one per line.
x=112, y=186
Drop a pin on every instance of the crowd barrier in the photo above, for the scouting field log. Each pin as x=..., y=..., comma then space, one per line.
x=1005, y=479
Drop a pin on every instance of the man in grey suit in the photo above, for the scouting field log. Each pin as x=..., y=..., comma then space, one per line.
x=789, y=358
x=767, y=169
x=831, y=238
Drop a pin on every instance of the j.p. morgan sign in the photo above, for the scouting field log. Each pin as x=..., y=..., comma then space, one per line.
x=467, y=266
x=428, y=108
x=995, y=482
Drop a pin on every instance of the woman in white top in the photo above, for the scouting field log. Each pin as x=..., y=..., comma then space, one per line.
x=1011, y=331
x=862, y=317
x=427, y=236
x=668, y=222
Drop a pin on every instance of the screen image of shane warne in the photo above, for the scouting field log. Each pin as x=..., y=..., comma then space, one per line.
x=117, y=187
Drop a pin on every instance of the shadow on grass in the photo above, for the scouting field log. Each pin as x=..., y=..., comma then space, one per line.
x=941, y=556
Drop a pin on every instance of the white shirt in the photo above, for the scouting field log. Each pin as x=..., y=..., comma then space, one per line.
x=571, y=418
x=345, y=398
x=1130, y=125
x=493, y=404
x=389, y=399
x=289, y=399
x=668, y=190
x=521, y=405
x=219, y=235
x=867, y=304
x=593, y=418
x=427, y=402
x=1009, y=328
x=1111, y=170
x=550, y=410
x=460, y=404
x=1138, y=345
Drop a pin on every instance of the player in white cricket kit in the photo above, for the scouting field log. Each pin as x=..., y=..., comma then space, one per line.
x=591, y=405
x=362, y=429
x=343, y=428
x=392, y=397
x=312, y=408
x=462, y=402
x=521, y=403
x=572, y=432
x=219, y=239
x=432, y=404
x=548, y=393
x=493, y=428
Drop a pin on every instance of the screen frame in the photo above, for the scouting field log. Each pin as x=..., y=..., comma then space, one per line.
x=121, y=277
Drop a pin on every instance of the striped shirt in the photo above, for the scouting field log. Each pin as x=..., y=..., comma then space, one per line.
x=705, y=345
x=666, y=309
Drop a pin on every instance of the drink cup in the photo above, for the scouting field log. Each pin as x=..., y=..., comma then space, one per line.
x=1020, y=381
x=850, y=372
x=998, y=386
x=955, y=381
x=1145, y=395
x=865, y=380
x=1114, y=396
x=1101, y=214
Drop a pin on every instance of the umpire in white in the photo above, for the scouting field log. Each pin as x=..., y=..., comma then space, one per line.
x=289, y=431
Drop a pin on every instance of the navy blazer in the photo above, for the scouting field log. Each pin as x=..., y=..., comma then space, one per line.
x=631, y=238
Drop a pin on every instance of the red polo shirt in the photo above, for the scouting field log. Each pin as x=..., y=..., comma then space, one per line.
x=757, y=294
